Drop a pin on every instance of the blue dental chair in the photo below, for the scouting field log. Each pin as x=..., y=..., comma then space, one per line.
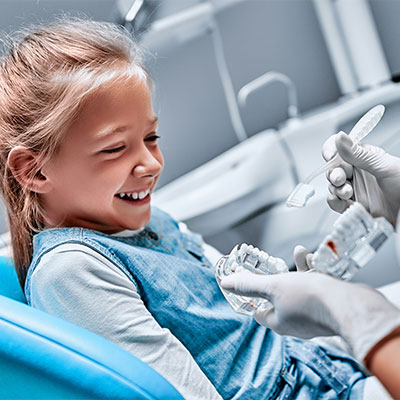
x=44, y=357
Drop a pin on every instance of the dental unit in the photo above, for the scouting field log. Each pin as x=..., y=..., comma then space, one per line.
x=240, y=194
x=303, y=191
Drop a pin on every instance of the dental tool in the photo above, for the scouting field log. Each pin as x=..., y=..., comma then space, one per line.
x=246, y=257
x=355, y=239
x=304, y=191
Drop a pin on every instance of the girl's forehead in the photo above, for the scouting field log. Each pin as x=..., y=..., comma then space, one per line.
x=115, y=106
x=113, y=93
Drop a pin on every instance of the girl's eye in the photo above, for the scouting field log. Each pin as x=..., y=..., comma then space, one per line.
x=115, y=150
x=152, y=138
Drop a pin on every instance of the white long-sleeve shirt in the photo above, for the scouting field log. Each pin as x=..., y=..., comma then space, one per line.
x=78, y=284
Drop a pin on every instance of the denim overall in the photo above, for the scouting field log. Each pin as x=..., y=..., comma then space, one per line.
x=176, y=283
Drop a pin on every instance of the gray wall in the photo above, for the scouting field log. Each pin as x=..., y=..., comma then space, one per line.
x=14, y=13
x=387, y=15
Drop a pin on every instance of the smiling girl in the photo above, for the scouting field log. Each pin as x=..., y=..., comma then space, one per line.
x=79, y=160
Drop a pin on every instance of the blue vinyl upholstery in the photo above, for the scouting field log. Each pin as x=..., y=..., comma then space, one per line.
x=44, y=357
x=9, y=285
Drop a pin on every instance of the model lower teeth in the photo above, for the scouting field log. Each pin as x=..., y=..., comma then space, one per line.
x=247, y=258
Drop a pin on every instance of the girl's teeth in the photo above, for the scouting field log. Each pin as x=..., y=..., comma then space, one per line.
x=135, y=195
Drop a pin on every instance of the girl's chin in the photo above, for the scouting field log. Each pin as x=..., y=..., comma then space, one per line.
x=140, y=223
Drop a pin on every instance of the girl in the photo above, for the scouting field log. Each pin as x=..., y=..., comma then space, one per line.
x=79, y=160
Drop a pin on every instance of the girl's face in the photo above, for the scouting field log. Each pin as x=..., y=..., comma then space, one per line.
x=107, y=166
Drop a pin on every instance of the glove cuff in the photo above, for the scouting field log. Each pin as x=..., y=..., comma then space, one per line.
x=369, y=341
x=395, y=332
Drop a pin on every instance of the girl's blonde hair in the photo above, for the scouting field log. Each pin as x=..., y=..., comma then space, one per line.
x=44, y=78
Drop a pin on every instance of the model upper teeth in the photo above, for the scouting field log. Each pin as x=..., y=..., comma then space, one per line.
x=134, y=195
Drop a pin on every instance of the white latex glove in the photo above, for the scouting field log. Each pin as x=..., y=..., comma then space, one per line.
x=368, y=175
x=309, y=304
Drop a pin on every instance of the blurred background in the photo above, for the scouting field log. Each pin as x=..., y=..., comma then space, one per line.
x=246, y=92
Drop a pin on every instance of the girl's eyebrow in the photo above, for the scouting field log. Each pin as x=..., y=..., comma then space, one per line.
x=110, y=131
x=153, y=120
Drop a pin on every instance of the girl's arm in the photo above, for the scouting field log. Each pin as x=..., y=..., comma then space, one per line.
x=78, y=284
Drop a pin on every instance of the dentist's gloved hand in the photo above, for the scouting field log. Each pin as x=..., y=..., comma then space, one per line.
x=368, y=175
x=308, y=304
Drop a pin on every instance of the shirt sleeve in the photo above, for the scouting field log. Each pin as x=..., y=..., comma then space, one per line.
x=79, y=285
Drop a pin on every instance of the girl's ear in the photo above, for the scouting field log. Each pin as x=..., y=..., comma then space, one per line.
x=24, y=166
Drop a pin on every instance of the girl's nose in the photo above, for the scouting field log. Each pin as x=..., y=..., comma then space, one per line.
x=149, y=165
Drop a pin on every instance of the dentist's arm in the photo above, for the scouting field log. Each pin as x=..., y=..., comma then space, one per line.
x=384, y=363
x=368, y=175
x=313, y=304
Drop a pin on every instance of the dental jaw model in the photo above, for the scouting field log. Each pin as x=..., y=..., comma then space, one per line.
x=247, y=258
x=355, y=239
